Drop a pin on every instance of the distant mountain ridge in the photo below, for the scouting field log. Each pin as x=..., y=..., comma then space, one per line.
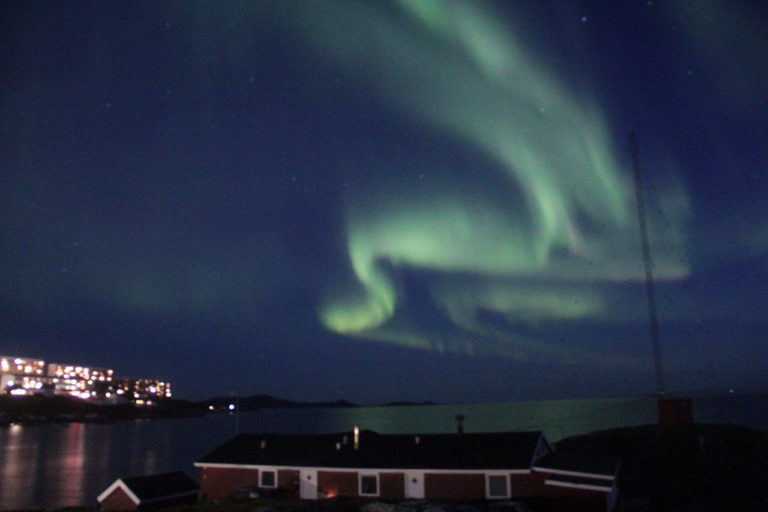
x=256, y=402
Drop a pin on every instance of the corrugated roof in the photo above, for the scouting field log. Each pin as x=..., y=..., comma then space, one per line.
x=499, y=450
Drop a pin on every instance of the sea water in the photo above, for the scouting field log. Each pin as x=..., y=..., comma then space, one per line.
x=56, y=465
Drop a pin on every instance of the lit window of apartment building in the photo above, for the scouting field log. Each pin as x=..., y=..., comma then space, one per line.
x=21, y=375
x=21, y=365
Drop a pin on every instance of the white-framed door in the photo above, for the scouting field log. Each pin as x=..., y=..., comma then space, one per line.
x=308, y=484
x=414, y=485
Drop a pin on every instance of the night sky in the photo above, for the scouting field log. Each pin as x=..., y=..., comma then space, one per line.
x=390, y=200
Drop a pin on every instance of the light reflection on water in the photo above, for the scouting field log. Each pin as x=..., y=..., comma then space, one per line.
x=70, y=464
x=16, y=462
x=72, y=460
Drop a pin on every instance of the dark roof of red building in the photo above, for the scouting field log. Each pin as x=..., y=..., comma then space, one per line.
x=578, y=464
x=152, y=487
x=499, y=450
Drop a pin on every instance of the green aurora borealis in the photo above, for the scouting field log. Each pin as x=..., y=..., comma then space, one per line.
x=386, y=200
x=539, y=232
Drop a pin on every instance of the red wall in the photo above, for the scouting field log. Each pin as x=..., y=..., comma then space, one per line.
x=529, y=485
x=392, y=486
x=448, y=486
x=288, y=480
x=337, y=483
x=217, y=483
x=346, y=483
x=118, y=500
x=675, y=411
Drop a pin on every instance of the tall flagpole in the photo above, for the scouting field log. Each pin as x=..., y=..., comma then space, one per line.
x=648, y=264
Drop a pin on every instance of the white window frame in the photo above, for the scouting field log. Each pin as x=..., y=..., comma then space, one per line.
x=360, y=484
x=488, y=477
x=261, y=478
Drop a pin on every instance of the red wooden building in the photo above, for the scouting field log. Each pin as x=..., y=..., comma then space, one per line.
x=471, y=466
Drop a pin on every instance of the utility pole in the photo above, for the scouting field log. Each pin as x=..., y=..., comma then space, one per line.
x=648, y=264
x=237, y=415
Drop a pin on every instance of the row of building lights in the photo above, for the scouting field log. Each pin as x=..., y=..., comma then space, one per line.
x=23, y=376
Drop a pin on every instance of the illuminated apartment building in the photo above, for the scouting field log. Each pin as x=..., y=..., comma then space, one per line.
x=22, y=366
x=141, y=391
x=148, y=389
x=23, y=376
x=79, y=381
x=68, y=371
